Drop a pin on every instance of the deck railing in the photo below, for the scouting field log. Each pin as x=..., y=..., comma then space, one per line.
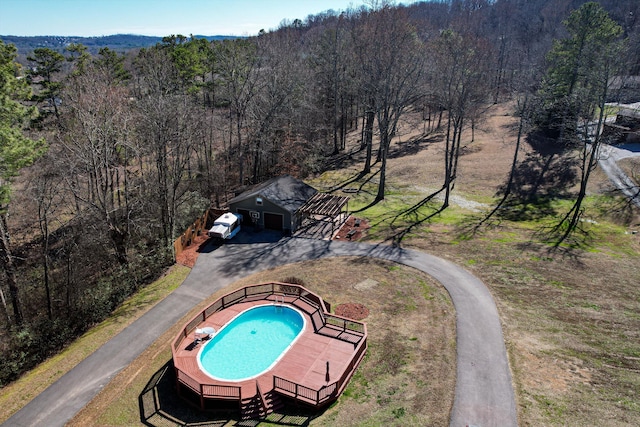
x=326, y=392
x=312, y=304
x=264, y=291
x=298, y=391
x=344, y=324
x=209, y=390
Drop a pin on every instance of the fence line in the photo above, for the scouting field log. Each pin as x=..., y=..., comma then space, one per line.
x=200, y=226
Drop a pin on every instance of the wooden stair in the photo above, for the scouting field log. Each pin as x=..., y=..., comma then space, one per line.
x=272, y=402
x=259, y=406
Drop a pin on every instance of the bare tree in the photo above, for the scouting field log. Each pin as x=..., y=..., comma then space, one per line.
x=169, y=131
x=99, y=128
x=333, y=67
x=273, y=120
x=459, y=84
x=238, y=67
x=390, y=59
x=46, y=189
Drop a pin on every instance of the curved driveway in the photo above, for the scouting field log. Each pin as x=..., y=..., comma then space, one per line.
x=483, y=396
x=608, y=160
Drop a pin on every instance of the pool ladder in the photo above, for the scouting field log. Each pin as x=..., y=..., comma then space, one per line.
x=278, y=299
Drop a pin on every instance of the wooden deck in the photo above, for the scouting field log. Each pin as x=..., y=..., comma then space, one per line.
x=303, y=367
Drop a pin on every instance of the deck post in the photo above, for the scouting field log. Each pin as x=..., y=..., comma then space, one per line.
x=178, y=381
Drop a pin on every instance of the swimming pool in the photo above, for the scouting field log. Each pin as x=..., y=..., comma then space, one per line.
x=251, y=343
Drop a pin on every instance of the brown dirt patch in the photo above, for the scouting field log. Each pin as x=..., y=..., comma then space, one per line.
x=352, y=311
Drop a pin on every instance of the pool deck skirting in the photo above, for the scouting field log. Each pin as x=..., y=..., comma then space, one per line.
x=300, y=374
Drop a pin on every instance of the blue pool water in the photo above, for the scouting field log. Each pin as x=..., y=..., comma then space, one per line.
x=251, y=343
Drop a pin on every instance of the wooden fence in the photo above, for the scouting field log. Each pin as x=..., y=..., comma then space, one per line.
x=200, y=226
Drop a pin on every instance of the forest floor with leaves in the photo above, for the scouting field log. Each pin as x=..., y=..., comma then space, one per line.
x=570, y=314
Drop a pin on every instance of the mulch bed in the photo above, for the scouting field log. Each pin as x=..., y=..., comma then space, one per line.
x=189, y=254
x=352, y=311
x=352, y=229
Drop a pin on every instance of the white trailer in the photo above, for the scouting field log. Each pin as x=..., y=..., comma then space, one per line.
x=225, y=226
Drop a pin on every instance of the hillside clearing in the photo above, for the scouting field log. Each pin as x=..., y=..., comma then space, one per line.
x=570, y=316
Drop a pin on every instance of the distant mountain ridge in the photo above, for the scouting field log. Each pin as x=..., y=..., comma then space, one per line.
x=117, y=42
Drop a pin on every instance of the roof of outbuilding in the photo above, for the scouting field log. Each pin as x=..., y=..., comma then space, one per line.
x=285, y=191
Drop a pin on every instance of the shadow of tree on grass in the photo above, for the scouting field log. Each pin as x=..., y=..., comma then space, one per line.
x=545, y=175
x=413, y=146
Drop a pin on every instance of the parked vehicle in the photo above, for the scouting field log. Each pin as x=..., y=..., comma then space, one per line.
x=225, y=226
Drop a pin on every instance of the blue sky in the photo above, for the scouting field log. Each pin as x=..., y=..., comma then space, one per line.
x=155, y=17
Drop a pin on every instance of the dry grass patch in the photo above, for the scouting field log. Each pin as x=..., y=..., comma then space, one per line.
x=631, y=166
x=570, y=317
x=570, y=321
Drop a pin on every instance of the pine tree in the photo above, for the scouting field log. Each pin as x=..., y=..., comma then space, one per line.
x=16, y=152
x=575, y=90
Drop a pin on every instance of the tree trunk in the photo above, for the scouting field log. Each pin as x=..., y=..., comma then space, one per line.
x=44, y=229
x=368, y=140
x=4, y=307
x=383, y=172
x=6, y=258
x=240, y=149
x=448, y=153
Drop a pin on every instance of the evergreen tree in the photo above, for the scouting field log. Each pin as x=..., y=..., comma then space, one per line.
x=16, y=152
x=46, y=64
x=575, y=90
x=574, y=83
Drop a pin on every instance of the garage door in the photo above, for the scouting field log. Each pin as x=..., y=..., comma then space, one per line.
x=273, y=221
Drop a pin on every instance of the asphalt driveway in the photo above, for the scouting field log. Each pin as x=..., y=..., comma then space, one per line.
x=608, y=160
x=484, y=393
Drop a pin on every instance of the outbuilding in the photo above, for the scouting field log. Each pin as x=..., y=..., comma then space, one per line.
x=274, y=204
